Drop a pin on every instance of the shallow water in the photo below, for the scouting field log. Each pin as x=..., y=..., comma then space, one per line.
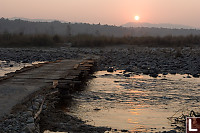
x=12, y=66
x=137, y=103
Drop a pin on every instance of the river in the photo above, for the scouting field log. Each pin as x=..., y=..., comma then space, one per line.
x=136, y=103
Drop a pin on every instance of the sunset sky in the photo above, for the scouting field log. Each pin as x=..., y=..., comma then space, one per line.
x=112, y=12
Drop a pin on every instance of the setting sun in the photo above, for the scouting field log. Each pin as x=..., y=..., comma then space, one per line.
x=137, y=18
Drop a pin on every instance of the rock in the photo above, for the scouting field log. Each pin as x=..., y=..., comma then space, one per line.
x=110, y=69
x=172, y=131
x=196, y=75
x=30, y=120
x=29, y=113
x=154, y=75
x=172, y=72
x=97, y=109
x=44, y=107
x=107, y=74
x=11, y=116
x=146, y=72
x=165, y=73
x=10, y=126
x=11, y=65
x=36, y=106
x=129, y=69
x=127, y=75
x=95, y=97
x=177, y=127
x=30, y=109
x=31, y=126
x=25, y=61
x=93, y=76
x=37, y=103
x=22, y=123
x=39, y=100
x=189, y=76
x=124, y=130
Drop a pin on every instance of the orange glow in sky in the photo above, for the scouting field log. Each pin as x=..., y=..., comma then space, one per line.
x=111, y=12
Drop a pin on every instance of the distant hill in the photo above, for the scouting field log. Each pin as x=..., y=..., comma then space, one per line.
x=53, y=27
x=35, y=20
x=162, y=25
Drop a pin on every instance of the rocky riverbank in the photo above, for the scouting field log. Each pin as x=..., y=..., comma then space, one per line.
x=53, y=118
x=28, y=55
x=23, y=116
x=43, y=112
x=152, y=61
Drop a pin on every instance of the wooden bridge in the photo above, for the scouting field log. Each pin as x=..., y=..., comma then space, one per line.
x=18, y=85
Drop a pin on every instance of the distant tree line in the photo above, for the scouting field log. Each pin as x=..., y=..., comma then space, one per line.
x=21, y=40
x=166, y=41
x=65, y=29
x=86, y=40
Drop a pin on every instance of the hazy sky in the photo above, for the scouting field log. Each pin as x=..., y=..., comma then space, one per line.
x=117, y=12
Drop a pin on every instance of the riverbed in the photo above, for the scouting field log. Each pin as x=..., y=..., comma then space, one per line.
x=11, y=66
x=136, y=103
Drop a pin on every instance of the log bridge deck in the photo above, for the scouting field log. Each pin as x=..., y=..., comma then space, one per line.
x=18, y=85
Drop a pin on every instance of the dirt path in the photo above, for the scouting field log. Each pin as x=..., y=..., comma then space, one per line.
x=15, y=89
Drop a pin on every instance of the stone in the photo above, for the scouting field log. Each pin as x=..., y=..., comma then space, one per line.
x=172, y=131
x=127, y=75
x=97, y=109
x=154, y=75
x=129, y=69
x=124, y=130
x=29, y=113
x=37, y=103
x=44, y=107
x=35, y=107
x=173, y=72
x=196, y=75
x=30, y=120
x=31, y=126
x=110, y=69
x=10, y=126
x=165, y=73
x=30, y=109
x=39, y=100
x=11, y=116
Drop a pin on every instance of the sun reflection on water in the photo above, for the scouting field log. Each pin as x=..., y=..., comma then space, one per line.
x=137, y=103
